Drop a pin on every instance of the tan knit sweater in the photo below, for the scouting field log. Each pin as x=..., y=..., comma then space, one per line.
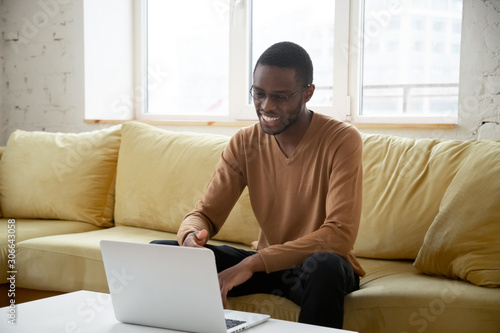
x=306, y=203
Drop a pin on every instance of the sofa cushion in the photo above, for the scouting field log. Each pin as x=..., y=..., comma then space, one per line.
x=404, y=182
x=73, y=262
x=28, y=229
x=60, y=176
x=395, y=297
x=161, y=175
x=464, y=239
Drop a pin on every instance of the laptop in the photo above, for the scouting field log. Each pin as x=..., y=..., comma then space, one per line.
x=171, y=287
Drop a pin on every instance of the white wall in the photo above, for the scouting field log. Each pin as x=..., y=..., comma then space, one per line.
x=41, y=78
x=42, y=47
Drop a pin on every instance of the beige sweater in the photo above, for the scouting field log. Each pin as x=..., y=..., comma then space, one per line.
x=306, y=203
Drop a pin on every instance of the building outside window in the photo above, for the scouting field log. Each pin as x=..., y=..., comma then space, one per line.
x=419, y=76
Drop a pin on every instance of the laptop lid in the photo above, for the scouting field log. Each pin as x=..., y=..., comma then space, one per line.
x=167, y=286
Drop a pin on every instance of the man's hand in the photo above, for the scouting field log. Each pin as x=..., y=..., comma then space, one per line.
x=238, y=274
x=196, y=239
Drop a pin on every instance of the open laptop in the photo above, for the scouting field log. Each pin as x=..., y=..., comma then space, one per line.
x=170, y=287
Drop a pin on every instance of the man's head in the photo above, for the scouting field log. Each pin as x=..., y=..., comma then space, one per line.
x=289, y=55
x=282, y=85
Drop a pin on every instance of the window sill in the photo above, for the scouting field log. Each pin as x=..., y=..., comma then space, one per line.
x=249, y=123
x=403, y=126
x=173, y=123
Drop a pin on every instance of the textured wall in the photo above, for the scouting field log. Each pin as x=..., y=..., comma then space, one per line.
x=42, y=66
x=41, y=78
x=480, y=72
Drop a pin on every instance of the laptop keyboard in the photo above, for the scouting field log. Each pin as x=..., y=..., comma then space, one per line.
x=230, y=323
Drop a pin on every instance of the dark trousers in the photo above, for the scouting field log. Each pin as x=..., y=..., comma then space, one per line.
x=318, y=286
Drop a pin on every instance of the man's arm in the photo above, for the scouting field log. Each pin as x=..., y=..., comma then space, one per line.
x=217, y=201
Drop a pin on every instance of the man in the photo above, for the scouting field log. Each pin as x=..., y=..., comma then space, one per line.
x=304, y=175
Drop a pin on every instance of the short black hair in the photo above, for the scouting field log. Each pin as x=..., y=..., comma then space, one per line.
x=289, y=55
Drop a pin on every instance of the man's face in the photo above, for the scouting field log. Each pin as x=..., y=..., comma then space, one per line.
x=274, y=117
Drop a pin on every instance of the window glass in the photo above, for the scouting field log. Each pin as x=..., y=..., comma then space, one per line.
x=188, y=43
x=411, y=58
x=307, y=23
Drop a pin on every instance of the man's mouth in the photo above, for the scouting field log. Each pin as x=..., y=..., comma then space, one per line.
x=268, y=119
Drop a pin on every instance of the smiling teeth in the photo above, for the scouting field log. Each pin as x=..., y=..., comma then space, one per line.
x=269, y=119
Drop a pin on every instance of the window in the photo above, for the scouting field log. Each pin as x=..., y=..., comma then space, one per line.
x=310, y=24
x=189, y=42
x=385, y=61
x=417, y=79
x=206, y=51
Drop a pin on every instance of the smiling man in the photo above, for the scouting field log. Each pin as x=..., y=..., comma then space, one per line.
x=304, y=175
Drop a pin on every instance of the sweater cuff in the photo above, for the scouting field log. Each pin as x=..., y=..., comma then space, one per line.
x=189, y=225
x=268, y=262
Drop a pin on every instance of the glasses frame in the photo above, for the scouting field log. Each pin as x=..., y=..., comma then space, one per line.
x=281, y=100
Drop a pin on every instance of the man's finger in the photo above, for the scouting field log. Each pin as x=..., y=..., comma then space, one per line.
x=224, y=297
x=202, y=236
x=196, y=239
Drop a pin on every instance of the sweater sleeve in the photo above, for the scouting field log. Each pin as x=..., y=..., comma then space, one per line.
x=343, y=212
x=220, y=196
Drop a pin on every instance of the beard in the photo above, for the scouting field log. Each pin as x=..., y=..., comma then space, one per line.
x=285, y=121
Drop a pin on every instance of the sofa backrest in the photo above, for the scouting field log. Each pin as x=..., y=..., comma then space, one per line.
x=65, y=176
x=161, y=174
x=404, y=183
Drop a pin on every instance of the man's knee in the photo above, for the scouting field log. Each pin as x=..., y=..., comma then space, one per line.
x=324, y=264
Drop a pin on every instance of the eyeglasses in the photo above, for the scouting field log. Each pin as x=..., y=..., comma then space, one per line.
x=277, y=98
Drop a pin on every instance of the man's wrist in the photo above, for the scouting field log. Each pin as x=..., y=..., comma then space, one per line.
x=255, y=263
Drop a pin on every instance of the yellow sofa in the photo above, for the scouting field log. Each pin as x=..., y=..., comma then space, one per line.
x=429, y=238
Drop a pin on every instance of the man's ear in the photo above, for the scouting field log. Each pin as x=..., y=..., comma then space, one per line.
x=309, y=92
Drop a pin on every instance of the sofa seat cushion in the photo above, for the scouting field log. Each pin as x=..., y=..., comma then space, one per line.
x=63, y=176
x=395, y=297
x=73, y=262
x=28, y=229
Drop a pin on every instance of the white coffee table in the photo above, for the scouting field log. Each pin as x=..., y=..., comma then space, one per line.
x=85, y=311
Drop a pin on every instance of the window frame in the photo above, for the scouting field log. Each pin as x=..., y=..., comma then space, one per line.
x=239, y=71
x=114, y=94
x=356, y=82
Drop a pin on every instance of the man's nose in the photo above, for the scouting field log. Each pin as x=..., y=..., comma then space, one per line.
x=268, y=103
